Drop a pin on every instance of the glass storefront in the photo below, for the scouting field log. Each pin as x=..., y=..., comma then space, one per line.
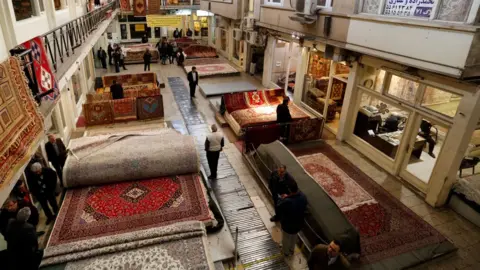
x=324, y=88
x=284, y=64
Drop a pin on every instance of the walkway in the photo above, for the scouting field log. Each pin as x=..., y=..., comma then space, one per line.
x=256, y=248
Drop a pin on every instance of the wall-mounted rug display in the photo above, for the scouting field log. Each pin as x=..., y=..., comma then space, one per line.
x=21, y=125
x=139, y=8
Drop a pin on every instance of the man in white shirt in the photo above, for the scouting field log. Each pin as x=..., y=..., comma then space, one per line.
x=192, y=77
x=213, y=145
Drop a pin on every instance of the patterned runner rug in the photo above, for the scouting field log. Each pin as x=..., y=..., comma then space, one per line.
x=387, y=227
x=96, y=211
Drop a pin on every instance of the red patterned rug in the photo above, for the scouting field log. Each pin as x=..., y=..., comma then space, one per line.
x=129, y=206
x=387, y=227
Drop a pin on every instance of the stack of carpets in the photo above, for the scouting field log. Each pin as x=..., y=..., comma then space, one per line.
x=179, y=246
x=200, y=51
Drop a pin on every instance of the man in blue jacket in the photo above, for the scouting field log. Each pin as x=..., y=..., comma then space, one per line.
x=292, y=209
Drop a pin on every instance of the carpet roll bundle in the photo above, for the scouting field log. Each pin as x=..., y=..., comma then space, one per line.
x=140, y=155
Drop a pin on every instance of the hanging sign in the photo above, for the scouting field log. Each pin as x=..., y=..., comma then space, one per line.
x=163, y=20
x=139, y=27
x=409, y=8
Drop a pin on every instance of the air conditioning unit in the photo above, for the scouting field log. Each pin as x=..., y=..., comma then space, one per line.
x=306, y=11
x=237, y=34
x=249, y=22
x=252, y=37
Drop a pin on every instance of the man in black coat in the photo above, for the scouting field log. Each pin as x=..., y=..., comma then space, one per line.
x=57, y=154
x=147, y=58
x=10, y=210
x=102, y=55
x=292, y=207
x=22, y=243
x=284, y=117
x=42, y=184
x=117, y=90
x=192, y=77
x=110, y=51
x=279, y=184
x=176, y=33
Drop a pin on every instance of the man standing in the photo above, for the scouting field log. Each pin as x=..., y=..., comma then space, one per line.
x=180, y=57
x=117, y=90
x=57, y=154
x=116, y=60
x=102, y=55
x=145, y=38
x=192, y=77
x=42, y=184
x=176, y=34
x=284, y=117
x=328, y=257
x=109, y=51
x=10, y=210
x=122, y=58
x=147, y=58
x=292, y=208
x=279, y=184
x=213, y=145
x=22, y=243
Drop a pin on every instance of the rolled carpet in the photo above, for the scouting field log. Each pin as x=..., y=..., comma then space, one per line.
x=140, y=155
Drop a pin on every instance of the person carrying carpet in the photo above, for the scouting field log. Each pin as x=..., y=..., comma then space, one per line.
x=213, y=146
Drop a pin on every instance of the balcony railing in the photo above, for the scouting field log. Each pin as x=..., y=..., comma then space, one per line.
x=62, y=41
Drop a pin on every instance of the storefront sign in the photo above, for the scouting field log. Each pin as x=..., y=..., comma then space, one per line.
x=162, y=20
x=139, y=27
x=409, y=8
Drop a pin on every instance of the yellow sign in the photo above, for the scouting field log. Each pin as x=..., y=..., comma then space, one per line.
x=163, y=20
x=139, y=27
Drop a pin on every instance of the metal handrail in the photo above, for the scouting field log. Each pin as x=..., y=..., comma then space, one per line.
x=62, y=41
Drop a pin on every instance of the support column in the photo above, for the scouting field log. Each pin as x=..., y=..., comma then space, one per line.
x=453, y=150
x=7, y=25
x=72, y=9
x=349, y=104
x=50, y=12
x=302, y=66
x=268, y=61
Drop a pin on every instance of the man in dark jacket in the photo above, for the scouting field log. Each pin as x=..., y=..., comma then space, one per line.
x=180, y=57
x=117, y=90
x=147, y=58
x=10, y=210
x=292, y=209
x=170, y=53
x=176, y=33
x=145, y=38
x=110, y=52
x=102, y=55
x=22, y=243
x=328, y=257
x=42, y=184
x=57, y=154
x=279, y=184
x=192, y=77
x=284, y=117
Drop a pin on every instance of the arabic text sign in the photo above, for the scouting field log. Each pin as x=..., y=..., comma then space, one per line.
x=409, y=8
x=163, y=20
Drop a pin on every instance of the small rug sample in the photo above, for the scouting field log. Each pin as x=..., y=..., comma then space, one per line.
x=139, y=8
x=125, y=5
x=122, y=207
x=98, y=113
x=200, y=51
x=179, y=246
x=21, y=124
x=305, y=130
x=124, y=109
x=387, y=227
x=138, y=155
x=150, y=107
x=210, y=70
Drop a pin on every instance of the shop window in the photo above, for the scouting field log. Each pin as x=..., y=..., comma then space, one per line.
x=157, y=32
x=380, y=124
x=138, y=30
x=372, y=78
x=453, y=10
x=324, y=3
x=403, y=88
x=123, y=31
x=274, y=2
x=371, y=6
x=280, y=61
x=223, y=40
x=23, y=9
x=42, y=6
x=441, y=101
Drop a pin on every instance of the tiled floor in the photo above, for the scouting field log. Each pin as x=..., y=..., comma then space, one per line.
x=463, y=234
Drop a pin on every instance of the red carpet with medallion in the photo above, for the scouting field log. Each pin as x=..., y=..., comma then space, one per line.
x=387, y=227
x=123, y=207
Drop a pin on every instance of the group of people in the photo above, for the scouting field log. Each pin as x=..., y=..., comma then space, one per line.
x=290, y=206
x=19, y=217
x=116, y=56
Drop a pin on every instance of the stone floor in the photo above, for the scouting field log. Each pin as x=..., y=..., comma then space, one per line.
x=462, y=233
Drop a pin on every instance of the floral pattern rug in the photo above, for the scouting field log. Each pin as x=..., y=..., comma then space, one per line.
x=387, y=227
x=123, y=207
